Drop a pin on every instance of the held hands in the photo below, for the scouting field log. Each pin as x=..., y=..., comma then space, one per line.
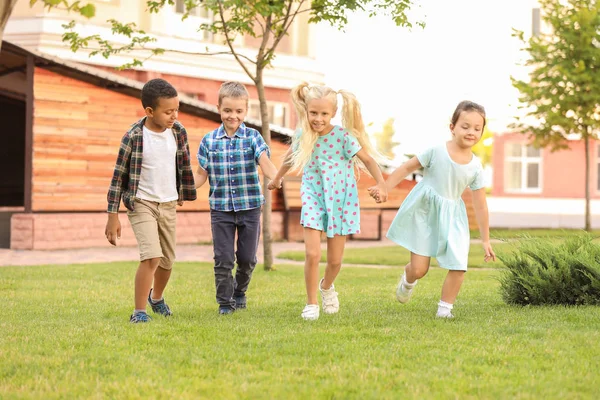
x=275, y=184
x=489, y=254
x=379, y=193
x=113, y=229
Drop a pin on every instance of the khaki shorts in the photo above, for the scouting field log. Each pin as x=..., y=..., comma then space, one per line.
x=153, y=225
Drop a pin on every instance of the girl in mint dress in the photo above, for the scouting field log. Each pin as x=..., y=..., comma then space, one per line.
x=327, y=155
x=432, y=220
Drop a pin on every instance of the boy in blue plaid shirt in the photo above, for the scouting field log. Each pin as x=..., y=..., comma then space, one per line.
x=228, y=158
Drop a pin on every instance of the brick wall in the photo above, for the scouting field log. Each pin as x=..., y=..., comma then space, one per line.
x=84, y=230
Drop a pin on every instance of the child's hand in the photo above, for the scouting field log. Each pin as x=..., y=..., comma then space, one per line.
x=379, y=193
x=113, y=228
x=383, y=194
x=374, y=192
x=179, y=202
x=275, y=184
x=488, y=252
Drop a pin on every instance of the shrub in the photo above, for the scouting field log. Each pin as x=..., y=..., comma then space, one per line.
x=545, y=272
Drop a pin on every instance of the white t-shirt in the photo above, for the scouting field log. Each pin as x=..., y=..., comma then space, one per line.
x=158, y=179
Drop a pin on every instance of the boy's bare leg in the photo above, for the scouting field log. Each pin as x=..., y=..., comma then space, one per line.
x=161, y=278
x=143, y=281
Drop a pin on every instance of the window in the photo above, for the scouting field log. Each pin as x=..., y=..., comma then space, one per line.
x=201, y=12
x=522, y=169
x=196, y=96
x=197, y=15
x=278, y=112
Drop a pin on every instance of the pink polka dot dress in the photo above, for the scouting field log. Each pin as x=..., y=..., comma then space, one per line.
x=329, y=191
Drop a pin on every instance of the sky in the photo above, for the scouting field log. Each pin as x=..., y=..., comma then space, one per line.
x=418, y=76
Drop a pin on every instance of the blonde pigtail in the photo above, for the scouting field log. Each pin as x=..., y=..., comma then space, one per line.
x=352, y=120
x=304, y=144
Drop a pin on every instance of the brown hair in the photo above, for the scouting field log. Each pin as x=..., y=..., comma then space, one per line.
x=467, y=105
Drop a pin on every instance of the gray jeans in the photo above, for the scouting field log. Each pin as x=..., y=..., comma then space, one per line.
x=224, y=225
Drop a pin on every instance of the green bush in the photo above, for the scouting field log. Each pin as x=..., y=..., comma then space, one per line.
x=545, y=272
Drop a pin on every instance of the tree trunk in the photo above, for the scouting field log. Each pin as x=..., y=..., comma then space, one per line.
x=266, y=133
x=6, y=7
x=588, y=217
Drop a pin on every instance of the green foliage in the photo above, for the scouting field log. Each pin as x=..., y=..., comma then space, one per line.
x=563, y=93
x=483, y=149
x=88, y=10
x=138, y=37
x=542, y=272
x=384, y=140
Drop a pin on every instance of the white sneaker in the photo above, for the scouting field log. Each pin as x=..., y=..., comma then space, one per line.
x=331, y=304
x=444, y=315
x=310, y=312
x=403, y=293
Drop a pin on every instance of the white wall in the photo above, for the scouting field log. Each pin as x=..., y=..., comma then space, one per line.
x=510, y=212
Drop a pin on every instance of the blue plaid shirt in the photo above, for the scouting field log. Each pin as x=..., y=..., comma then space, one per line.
x=231, y=164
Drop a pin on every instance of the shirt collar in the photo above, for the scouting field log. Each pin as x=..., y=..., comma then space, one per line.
x=176, y=128
x=241, y=132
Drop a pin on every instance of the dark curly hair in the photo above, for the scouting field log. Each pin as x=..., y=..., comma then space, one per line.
x=155, y=89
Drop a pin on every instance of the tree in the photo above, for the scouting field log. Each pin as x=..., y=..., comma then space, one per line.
x=483, y=148
x=267, y=20
x=384, y=140
x=6, y=7
x=563, y=94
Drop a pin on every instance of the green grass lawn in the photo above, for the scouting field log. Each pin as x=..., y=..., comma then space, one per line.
x=64, y=334
x=519, y=233
x=396, y=255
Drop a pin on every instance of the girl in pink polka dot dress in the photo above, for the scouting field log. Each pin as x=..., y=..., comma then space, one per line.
x=329, y=194
x=327, y=155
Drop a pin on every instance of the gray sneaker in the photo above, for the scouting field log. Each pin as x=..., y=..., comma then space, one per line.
x=240, y=302
x=139, y=317
x=160, y=307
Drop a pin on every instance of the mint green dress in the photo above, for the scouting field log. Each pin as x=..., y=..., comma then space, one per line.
x=432, y=220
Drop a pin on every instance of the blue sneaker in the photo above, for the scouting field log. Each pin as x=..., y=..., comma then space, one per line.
x=139, y=317
x=240, y=302
x=160, y=307
x=226, y=310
